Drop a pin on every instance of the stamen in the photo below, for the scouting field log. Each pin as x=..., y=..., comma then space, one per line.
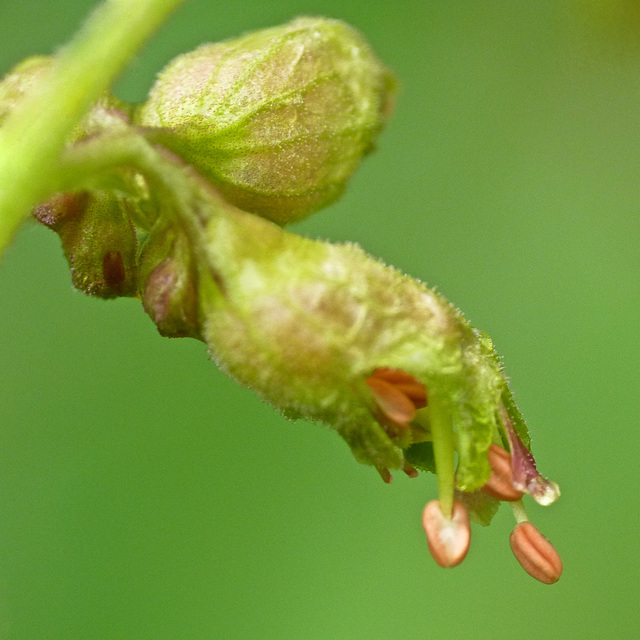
x=535, y=553
x=405, y=383
x=410, y=470
x=415, y=391
x=443, y=451
x=393, y=376
x=448, y=538
x=500, y=484
x=395, y=405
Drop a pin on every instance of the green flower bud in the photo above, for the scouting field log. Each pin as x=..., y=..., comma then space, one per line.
x=98, y=240
x=278, y=119
x=168, y=283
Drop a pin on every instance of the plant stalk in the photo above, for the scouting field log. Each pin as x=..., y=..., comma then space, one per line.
x=32, y=136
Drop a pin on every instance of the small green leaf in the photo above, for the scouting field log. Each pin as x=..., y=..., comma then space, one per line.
x=420, y=455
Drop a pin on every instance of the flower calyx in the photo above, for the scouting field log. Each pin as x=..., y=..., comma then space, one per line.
x=98, y=240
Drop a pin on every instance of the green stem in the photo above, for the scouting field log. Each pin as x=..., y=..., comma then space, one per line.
x=87, y=165
x=175, y=187
x=443, y=451
x=519, y=511
x=32, y=136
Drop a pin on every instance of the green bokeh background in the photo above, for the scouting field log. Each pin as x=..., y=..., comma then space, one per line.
x=143, y=495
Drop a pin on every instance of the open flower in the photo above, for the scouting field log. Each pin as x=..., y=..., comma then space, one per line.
x=398, y=397
x=325, y=332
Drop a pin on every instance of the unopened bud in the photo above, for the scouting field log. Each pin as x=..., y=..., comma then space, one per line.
x=278, y=119
x=168, y=283
x=535, y=553
x=448, y=539
x=98, y=240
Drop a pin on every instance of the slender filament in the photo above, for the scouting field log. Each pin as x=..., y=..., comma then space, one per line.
x=443, y=450
x=519, y=511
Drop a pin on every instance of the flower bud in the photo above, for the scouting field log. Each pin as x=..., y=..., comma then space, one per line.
x=278, y=119
x=168, y=283
x=98, y=240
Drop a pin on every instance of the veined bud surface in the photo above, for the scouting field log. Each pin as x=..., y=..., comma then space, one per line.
x=98, y=241
x=278, y=119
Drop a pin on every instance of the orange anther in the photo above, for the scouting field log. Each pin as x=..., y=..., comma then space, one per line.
x=394, y=404
x=535, y=553
x=415, y=391
x=394, y=376
x=448, y=540
x=404, y=382
x=500, y=484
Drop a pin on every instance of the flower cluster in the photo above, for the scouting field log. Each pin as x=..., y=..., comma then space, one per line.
x=181, y=202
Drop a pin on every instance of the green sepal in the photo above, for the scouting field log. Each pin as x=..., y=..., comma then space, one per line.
x=98, y=240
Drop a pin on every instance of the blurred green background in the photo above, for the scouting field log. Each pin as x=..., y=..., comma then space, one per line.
x=143, y=495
